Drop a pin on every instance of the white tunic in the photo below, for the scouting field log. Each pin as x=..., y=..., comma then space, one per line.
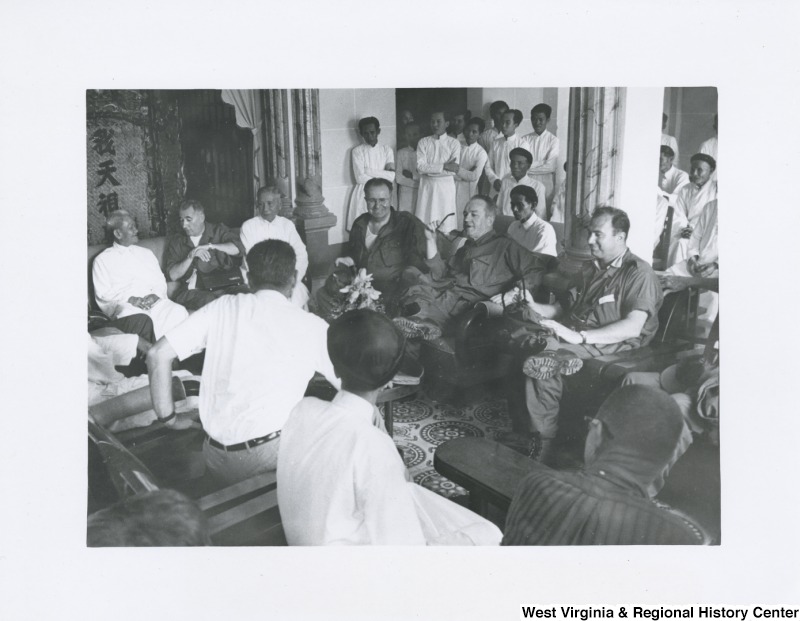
x=703, y=242
x=342, y=482
x=407, y=189
x=689, y=205
x=486, y=139
x=670, y=182
x=473, y=161
x=437, y=189
x=534, y=234
x=257, y=230
x=545, y=149
x=509, y=183
x=499, y=162
x=261, y=352
x=368, y=163
x=709, y=147
x=671, y=142
x=122, y=272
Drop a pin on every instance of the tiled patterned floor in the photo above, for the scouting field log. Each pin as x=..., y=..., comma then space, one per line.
x=420, y=425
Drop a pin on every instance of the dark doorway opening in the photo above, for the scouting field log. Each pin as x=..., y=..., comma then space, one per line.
x=422, y=101
x=218, y=157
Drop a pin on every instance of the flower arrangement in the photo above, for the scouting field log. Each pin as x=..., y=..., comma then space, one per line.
x=357, y=292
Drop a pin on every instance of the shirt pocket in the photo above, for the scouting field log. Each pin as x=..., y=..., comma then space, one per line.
x=391, y=253
x=607, y=308
x=482, y=273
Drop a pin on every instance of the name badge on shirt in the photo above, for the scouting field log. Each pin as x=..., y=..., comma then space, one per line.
x=606, y=299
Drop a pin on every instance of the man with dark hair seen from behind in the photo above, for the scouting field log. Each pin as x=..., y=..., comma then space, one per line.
x=340, y=478
x=201, y=250
x=261, y=352
x=616, y=308
x=632, y=438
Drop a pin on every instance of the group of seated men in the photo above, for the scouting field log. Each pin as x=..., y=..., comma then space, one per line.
x=340, y=480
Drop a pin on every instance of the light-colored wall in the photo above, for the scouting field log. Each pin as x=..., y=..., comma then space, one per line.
x=638, y=172
x=340, y=110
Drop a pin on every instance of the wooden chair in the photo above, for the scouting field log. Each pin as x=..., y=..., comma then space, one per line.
x=245, y=513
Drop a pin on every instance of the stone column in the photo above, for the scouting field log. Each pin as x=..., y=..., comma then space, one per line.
x=596, y=120
x=277, y=149
x=312, y=217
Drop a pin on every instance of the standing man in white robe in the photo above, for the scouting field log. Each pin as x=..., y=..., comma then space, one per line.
x=269, y=225
x=340, y=478
x=407, y=175
x=473, y=161
x=670, y=178
x=128, y=279
x=369, y=160
x=496, y=112
x=666, y=139
x=709, y=147
x=692, y=198
x=438, y=159
x=544, y=147
x=458, y=124
x=498, y=164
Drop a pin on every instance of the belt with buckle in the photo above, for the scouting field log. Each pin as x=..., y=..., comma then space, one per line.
x=241, y=446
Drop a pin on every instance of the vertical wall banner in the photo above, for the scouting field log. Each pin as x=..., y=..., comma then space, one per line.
x=134, y=159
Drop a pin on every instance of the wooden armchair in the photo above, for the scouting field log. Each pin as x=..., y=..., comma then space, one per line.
x=243, y=514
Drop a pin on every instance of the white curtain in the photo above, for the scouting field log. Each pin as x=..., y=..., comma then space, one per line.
x=247, y=104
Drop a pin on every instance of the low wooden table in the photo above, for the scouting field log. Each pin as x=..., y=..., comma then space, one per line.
x=387, y=398
x=489, y=471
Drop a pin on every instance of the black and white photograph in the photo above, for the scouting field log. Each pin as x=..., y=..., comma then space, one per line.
x=400, y=312
x=469, y=275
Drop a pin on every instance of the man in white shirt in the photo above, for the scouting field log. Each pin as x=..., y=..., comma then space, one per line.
x=670, y=178
x=369, y=160
x=519, y=163
x=340, y=478
x=128, y=279
x=457, y=125
x=496, y=111
x=544, y=148
x=709, y=147
x=528, y=229
x=438, y=157
x=269, y=225
x=407, y=175
x=261, y=352
x=692, y=198
x=703, y=254
x=498, y=164
x=666, y=139
x=473, y=161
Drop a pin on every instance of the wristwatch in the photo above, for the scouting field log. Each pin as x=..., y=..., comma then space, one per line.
x=583, y=337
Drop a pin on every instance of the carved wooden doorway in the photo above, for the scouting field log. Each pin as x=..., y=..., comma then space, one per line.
x=218, y=157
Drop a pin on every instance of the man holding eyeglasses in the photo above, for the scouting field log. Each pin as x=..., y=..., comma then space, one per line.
x=269, y=225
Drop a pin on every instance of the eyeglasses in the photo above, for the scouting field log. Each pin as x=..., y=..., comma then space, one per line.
x=377, y=201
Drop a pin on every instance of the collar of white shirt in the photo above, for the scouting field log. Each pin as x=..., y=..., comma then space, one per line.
x=122, y=248
x=530, y=221
x=271, y=294
x=354, y=403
